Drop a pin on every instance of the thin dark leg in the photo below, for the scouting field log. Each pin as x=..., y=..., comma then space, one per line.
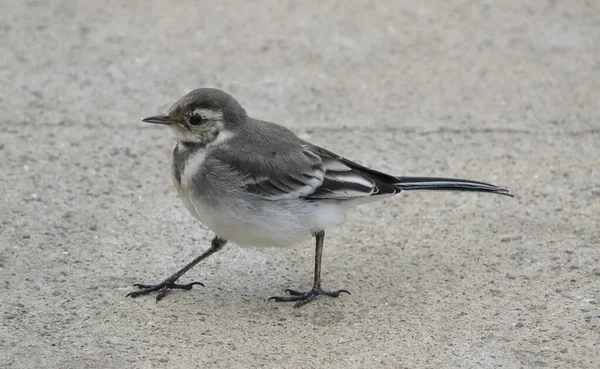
x=303, y=298
x=168, y=284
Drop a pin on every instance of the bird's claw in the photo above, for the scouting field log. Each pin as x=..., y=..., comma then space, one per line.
x=303, y=298
x=164, y=288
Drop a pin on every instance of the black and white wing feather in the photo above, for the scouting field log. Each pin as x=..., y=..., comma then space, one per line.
x=345, y=179
x=316, y=174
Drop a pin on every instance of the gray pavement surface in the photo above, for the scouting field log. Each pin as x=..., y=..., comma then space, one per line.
x=506, y=92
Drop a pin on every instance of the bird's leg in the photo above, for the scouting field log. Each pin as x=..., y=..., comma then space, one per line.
x=168, y=284
x=303, y=298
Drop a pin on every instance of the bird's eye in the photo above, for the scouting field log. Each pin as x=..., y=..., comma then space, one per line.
x=196, y=120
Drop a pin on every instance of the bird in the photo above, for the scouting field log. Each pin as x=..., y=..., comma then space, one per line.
x=256, y=183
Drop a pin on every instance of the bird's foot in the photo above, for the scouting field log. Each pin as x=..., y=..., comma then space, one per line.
x=303, y=298
x=164, y=287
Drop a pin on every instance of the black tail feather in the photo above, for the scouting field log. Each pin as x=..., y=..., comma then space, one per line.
x=447, y=184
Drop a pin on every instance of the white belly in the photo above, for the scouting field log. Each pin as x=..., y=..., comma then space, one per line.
x=273, y=225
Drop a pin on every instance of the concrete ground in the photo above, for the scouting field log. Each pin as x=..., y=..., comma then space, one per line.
x=506, y=92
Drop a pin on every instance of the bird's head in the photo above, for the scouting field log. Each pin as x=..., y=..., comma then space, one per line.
x=201, y=115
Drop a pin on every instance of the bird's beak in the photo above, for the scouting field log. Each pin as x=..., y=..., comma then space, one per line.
x=159, y=119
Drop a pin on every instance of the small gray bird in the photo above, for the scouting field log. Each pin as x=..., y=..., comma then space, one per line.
x=256, y=183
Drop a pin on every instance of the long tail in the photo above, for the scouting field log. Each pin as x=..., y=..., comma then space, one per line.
x=447, y=184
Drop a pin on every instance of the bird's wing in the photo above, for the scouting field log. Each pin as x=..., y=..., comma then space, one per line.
x=301, y=170
x=286, y=175
x=345, y=179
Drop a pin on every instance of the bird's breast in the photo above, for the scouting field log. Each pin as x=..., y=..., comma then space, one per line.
x=187, y=160
x=186, y=163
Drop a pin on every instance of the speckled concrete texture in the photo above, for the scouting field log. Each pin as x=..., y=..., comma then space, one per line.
x=500, y=91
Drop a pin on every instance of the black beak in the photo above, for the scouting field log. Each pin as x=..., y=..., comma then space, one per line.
x=159, y=119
